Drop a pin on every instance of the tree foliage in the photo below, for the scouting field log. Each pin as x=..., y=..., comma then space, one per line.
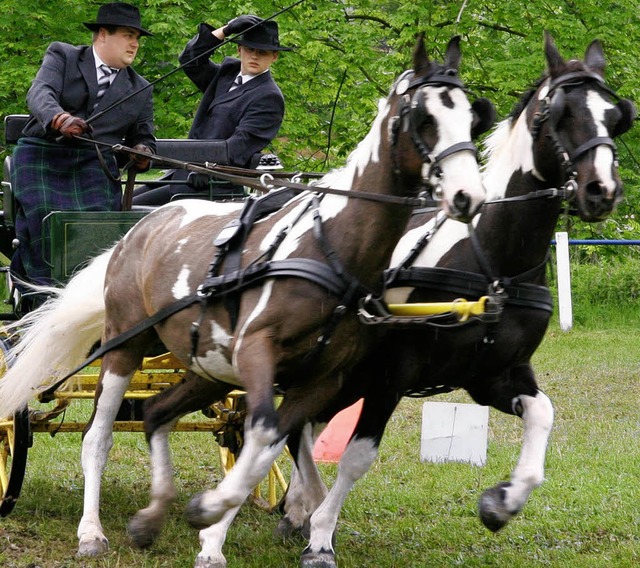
x=346, y=57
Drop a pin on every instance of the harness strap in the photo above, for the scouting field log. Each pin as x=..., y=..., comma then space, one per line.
x=459, y=282
x=598, y=141
x=114, y=342
x=309, y=269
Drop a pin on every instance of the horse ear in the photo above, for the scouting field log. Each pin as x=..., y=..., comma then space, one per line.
x=484, y=115
x=421, y=61
x=594, y=57
x=555, y=62
x=453, y=54
x=628, y=114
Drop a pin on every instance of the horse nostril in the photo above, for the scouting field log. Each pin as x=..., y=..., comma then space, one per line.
x=462, y=202
x=596, y=190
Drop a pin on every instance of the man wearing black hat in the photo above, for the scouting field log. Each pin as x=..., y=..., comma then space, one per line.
x=242, y=105
x=52, y=170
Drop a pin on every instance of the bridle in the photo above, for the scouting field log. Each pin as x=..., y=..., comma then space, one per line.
x=551, y=110
x=411, y=116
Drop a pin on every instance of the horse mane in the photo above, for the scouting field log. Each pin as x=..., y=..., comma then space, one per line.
x=500, y=133
x=342, y=177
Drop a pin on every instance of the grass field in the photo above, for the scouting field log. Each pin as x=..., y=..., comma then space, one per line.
x=404, y=513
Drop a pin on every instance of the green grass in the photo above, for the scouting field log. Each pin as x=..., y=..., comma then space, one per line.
x=404, y=512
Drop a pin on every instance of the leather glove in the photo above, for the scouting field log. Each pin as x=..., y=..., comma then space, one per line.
x=240, y=24
x=141, y=163
x=198, y=181
x=69, y=125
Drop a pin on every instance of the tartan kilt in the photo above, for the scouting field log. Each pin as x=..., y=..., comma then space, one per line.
x=48, y=177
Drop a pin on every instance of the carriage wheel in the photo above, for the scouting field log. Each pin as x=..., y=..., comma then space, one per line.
x=273, y=487
x=15, y=441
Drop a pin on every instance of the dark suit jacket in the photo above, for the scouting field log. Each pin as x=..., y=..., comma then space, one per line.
x=247, y=118
x=67, y=81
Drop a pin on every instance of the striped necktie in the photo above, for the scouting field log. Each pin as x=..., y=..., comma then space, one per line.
x=104, y=82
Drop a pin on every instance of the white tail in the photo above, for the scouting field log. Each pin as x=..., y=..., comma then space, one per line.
x=56, y=337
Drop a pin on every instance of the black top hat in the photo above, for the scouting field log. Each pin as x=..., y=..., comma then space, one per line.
x=263, y=36
x=118, y=14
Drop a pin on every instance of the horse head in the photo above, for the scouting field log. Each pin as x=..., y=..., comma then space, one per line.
x=431, y=134
x=573, y=122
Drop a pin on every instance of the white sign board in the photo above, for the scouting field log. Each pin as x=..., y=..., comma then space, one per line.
x=454, y=432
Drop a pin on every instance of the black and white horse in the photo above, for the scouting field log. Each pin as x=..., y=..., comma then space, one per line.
x=277, y=305
x=556, y=146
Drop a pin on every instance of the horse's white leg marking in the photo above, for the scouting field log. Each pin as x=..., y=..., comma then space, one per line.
x=147, y=523
x=212, y=540
x=355, y=462
x=262, y=446
x=528, y=474
x=95, y=449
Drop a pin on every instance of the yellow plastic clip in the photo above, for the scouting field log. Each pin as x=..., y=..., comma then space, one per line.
x=463, y=308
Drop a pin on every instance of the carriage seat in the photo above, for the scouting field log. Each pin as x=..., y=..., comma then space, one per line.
x=181, y=149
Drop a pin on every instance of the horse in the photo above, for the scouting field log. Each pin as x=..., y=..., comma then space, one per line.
x=275, y=307
x=555, y=150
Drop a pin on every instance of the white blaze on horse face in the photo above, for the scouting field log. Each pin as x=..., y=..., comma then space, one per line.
x=604, y=158
x=459, y=170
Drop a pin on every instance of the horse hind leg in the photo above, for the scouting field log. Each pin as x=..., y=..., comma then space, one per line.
x=499, y=504
x=306, y=489
x=118, y=367
x=161, y=413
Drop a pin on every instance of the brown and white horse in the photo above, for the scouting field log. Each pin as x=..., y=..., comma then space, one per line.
x=283, y=311
x=557, y=145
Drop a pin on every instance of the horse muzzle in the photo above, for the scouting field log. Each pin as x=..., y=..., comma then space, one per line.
x=464, y=205
x=597, y=201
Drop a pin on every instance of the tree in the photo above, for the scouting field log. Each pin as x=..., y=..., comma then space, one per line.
x=347, y=55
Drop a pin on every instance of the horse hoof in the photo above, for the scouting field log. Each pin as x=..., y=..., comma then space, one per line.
x=207, y=562
x=493, y=513
x=92, y=548
x=286, y=530
x=321, y=559
x=143, y=531
x=193, y=513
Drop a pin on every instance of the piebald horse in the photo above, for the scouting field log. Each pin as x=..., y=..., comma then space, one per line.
x=556, y=149
x=275, y=300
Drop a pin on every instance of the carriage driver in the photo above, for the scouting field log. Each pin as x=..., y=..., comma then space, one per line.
x=51, y=169
x=242, y=106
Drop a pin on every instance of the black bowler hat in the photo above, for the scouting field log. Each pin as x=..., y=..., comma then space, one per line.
x=263, y=36
x=118, y=14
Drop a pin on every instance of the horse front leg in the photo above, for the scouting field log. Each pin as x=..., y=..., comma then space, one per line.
x=161, y=413
x=115, y=375
x=263, y=443
x=499, y=504
x=359, y=455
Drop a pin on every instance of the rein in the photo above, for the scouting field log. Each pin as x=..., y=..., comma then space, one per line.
x=248, y=178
